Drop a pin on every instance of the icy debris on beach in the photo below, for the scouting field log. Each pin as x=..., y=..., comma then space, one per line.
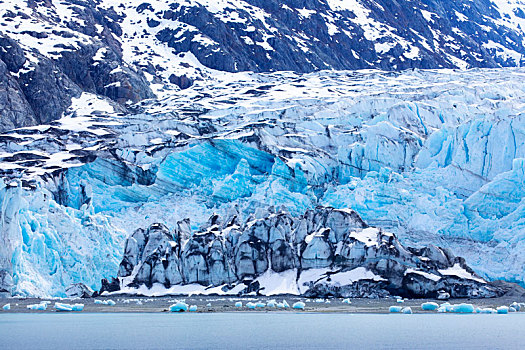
x=69, y=307
x=395, y=309
x=40, y=306
x=347, y=301
x=463, y=308
x=238, y=304
x=406, y=310
x=429, y=306
x=193, y=308
x=298, y=305
x=503, y=310
x=250, y=305
x=179, y=307
x=260, y=304
x=106, y=302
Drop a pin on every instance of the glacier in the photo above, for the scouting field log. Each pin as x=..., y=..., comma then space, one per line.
x=437, y=157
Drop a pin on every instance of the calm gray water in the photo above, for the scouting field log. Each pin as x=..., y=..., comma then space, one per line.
x=261, y=331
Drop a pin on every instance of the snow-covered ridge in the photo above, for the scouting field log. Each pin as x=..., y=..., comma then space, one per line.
x=433, y=156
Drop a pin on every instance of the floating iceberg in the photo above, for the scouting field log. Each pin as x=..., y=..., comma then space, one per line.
x=238, y=304
x=108, y=302
x=193, y=308
x=6, y=307
x=346, y=301
x=250, y=305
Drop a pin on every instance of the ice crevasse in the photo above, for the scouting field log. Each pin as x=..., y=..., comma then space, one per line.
x=436, y=157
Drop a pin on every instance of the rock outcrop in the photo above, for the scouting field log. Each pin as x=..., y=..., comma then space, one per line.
x=330, y=252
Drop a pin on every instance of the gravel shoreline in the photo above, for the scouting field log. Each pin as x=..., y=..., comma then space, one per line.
x=210, y=304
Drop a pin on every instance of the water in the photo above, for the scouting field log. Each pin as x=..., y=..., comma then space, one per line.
x=260, y=331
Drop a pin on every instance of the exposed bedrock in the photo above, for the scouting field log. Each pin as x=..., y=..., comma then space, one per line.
x=326, y=252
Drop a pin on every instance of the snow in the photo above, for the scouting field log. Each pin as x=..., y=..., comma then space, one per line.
x=460, y=272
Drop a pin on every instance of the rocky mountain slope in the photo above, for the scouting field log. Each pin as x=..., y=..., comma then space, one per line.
x=129, y=50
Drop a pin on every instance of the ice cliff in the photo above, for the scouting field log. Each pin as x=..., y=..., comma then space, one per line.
x=435, y=157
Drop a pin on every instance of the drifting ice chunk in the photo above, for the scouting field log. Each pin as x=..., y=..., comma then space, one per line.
x=280, y=305
x=488, y=310
x=511, y=309
x=271, y=303
x=429, y=306
x=238, y=304
x=407, y=310
x=400, y=300
x=463, y=308
x=347, y=301
x=179, y=307
x=7, y=307
x=395, y=309
x=250, y=305
x=69, y=307
x=110, y=302
x=42, y=306
x=298, y=305
x=286, y=305
x=105, y=302
x=503, y=310
x=260, y=304
x=516, y=306
x=193, y=308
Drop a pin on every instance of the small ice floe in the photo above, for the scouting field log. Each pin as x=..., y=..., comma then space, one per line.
x=406, y=310
x=487, y=310
x=6, y=307
x=238, y=304
x=347, y=301
x=400, y=300
x=209, y=305
x=42, y=306
x=69, y=307
x=271, y=303
x=463, y=308
x=429, y=306
x=280, y=305
x=298, y=305
x=179, y=307
x=395, y=309
x=503, y=310
x=260, y=304
x=193, y=308
x=286, y=305
x=105, y=302
x=250, y=305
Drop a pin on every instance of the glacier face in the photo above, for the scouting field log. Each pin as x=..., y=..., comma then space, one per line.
x=434, y=156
